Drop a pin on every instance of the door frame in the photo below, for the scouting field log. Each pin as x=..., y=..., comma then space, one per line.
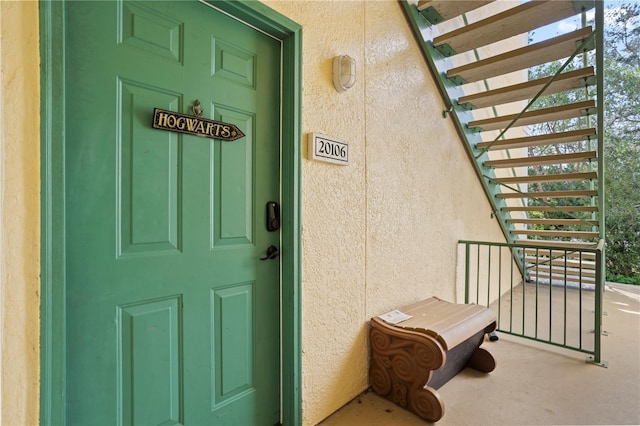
x=52, y=306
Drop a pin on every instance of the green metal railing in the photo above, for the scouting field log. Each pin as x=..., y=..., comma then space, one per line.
x=545, y=293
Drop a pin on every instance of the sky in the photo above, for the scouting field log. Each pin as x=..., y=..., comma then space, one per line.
x=571, y=24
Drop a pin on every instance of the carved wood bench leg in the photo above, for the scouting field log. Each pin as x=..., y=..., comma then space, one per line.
x=379, y=378
x=401, y=366
x=426, y=403
x=482, y=361
x=422, y=400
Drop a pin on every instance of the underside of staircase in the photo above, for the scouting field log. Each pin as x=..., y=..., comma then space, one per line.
x=525, y=100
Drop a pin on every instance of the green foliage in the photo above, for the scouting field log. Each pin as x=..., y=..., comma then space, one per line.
x=623, y=279
x=622, y=144
x=622, y=185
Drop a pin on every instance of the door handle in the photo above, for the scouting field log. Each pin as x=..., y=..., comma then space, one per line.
x=272, y=253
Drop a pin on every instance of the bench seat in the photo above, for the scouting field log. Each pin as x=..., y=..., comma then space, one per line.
x=413, y=358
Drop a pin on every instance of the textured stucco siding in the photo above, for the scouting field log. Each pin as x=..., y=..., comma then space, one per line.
x=382, y=232
x=19, y=212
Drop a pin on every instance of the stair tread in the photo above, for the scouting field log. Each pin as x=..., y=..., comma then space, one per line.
x=546, y=178
x=563, y=222
x=539, y=53
x=560, y=254
x=569, y=278
x=575, y=157
x=539, y=140
x=517, y=20
x=549, y=194
x=558, y=265
x=443, y=10
x=564, y=82
x=559, y=270
x=561, y=261
x=549, y=233
x=558, y=244
x=556, y=113
x=558, y=257
x=549, y=208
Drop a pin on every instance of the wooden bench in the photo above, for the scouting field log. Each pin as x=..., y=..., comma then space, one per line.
x=414, y=357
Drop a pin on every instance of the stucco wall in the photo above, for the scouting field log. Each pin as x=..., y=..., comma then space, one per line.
x=377, y=234
x=382, y=232
x=19, y=212
x=334, y=210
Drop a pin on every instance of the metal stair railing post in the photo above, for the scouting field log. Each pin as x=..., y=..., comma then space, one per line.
x=600, y=117
x=599, y=294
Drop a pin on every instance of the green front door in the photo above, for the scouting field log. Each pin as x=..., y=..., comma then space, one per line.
x=171, y=316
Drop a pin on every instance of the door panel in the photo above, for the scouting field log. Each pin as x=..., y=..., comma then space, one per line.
x=149, y=361
x=171, y=318
x=149, y=221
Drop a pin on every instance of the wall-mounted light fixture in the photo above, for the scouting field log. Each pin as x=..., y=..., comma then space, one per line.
x=344, y=72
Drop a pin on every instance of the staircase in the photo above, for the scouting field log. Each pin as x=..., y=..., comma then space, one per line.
x=539, y=157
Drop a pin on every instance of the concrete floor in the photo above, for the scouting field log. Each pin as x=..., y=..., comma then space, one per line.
x=535, y=384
